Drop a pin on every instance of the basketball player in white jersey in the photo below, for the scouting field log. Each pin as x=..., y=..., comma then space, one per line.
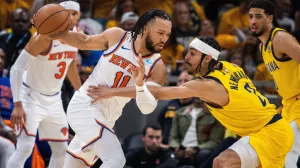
x=93, y=122
x=36, y=80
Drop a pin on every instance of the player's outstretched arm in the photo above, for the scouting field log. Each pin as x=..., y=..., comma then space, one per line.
x=206, y=89
x=100, y=41
x=33, y=48
x=145, y=100
x=285, y=43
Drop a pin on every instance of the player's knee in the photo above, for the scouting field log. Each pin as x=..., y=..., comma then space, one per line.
x=24, y=148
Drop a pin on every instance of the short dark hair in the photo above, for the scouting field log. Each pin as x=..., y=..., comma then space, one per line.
x=214, y=44
x=156, y=126
x=146, y=18
x=266, y=5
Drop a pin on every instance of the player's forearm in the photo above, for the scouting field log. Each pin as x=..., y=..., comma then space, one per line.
x=16, y=85
x=129, y=92
x=75, y=39
x=167, y=93
x=16, y=74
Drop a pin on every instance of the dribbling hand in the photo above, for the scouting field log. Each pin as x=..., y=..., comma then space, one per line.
x=98, y=92
x=18, y=116
x=139, y=71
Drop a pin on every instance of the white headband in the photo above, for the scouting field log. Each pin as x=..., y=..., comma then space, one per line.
x=70, y=5
x=205, y=48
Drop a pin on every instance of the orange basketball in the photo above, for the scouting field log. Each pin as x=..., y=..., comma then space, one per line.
x=52, y=20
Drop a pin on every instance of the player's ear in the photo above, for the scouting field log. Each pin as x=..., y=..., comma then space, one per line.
x=270, y=18
x=146, y=29
x=208, y=58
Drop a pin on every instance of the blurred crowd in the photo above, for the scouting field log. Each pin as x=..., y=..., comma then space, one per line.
x=185, y=134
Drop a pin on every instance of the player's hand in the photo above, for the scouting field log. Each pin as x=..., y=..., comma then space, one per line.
x=18, y=116
x=98, y=92
x=138, y=72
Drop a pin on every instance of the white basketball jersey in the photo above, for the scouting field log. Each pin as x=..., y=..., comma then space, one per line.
x=113, y=71
x=47, y=72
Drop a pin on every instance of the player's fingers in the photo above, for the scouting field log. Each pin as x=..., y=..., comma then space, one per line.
x=131, y=66
x=18, y=123
x=24, y=118
x=92, y=87
x=12, y=119
x=140, y=58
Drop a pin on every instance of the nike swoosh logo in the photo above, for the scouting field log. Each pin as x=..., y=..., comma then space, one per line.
x=125, y=48
x=55, y=45
x=141, y=91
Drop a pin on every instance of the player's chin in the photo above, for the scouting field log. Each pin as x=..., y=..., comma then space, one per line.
x=159, y=48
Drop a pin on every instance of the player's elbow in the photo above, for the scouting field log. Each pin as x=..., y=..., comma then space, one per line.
x=83, y=42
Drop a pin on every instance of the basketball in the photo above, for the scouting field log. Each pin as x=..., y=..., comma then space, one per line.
x=52, y=20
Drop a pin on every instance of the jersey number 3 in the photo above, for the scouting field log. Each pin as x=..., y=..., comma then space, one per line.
x=61, y=71
x=253, y=90
x=118, y=77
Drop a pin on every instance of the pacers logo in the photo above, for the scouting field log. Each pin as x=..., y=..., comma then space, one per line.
x=64, y=130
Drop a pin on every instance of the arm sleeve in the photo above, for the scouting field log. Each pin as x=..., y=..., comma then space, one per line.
x=145, y=101
x=16, y=73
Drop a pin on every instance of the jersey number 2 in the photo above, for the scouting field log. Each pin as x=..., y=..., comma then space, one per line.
x=118, y=77
x=61, y=71
x=253, y=90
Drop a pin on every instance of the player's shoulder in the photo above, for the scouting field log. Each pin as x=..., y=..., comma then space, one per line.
x=114, y=35
x=115, y=32
x=281, y=35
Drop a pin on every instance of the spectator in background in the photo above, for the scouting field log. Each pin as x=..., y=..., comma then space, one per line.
x=85, y=72
x=151, y=155
x=297, y=28
x=128, y=20
x=235, y=57
x=122, y=7
x=196, y=12
x=172, y=54
x=102, y=9
x=282, y=12
x=90, y=26
x=3, y=72
x=7, y=137
x=165, y=5
x=183, y=29
x=168, y=113
x=226, y=41
x=262, y=74
x=7, y=7
x=6, y=101
x=251, y=56
x=18, y=38
x=7, y=143
x=195, y=134
x=235, y=18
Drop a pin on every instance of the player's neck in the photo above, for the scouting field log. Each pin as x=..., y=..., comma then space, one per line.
x=264, y=37
x=140, y=46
